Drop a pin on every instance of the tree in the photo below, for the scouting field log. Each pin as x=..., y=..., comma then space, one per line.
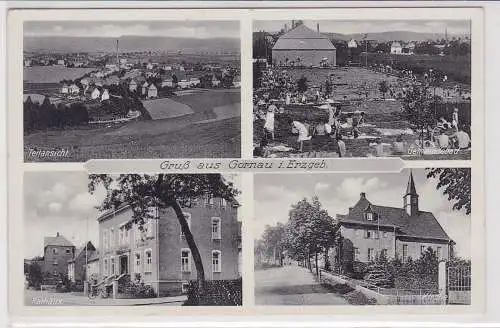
x=163, y=191
x=310, y=230
x=272, y=242
x=383, y=87
x=417, y=108
x=34, y=275
x=302, y=84
x=456, y=184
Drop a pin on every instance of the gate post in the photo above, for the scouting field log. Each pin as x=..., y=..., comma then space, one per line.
x=442, y=279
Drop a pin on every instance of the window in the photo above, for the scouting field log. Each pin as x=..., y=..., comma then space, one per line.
x=386, y=234
x=187, y=216
x=105, y=239
x=368, y=234
x=149, y=261
x=126, y=236
x=371, y=254
x=438, y=253
x=149, y=228
x=55, y=262
x=216, y=261
x=223, y=202
x=383, y=253
x=112, y=238
x=137, y=268
x=112, y=266
x=376, y=234
x=138, y=234
x=422, y=249
x=356, y=254
x=68, y=251
x=369, y=216
x=106, y=267
x=121, y=236
x=185, y=260
x=216, y=228
x=184, y=287
x=209, y=200
x=357, y=232
x=405, y=252
x=54, y=251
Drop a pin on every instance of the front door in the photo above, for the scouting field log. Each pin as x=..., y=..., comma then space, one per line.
x=124, y=264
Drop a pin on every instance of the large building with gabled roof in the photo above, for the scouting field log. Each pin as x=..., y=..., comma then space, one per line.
x=303, y=46
x=57, y=252
x=369, y=230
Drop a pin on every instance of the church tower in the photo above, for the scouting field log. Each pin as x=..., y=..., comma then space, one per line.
x=411, y=197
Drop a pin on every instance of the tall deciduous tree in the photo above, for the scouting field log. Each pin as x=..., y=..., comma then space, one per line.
x=163, y=191
x=456, y=184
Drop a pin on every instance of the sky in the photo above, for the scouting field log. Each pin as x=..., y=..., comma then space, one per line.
x=181, y=29
x=60, y=202
x=374, y=26
x=275, y=193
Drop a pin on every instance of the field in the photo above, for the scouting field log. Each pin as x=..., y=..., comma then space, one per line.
x=143, y=139
x=384, y=121
x=207, y=132
x=458, y=69
x=53, y=74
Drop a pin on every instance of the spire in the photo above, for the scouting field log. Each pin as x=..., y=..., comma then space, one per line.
x=410, y=188
x=410, y=199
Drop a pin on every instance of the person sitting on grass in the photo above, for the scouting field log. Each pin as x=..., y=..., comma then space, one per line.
x=303, y=133
x=341, y=148
x=461, y=138
x=399, y=146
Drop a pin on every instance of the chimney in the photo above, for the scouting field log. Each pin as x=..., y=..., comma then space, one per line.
x=350, y=209
x=57, y=234
x=362, y=195
x=317, y=27
x=293, y=24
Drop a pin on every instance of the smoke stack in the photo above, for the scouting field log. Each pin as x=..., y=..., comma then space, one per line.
x=117, y=61
x=317, y=27
x=362, y=195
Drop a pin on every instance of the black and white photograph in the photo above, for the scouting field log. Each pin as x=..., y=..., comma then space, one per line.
x=131, y=239
x=363, y=239
x=131, y=89
x=362, y=88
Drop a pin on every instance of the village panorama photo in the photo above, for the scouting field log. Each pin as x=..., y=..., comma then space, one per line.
x=105, y=240
x=363, y=239
x=131, y=89
x=362, y=89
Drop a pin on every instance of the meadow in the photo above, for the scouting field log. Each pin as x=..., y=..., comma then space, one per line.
x=53, y=74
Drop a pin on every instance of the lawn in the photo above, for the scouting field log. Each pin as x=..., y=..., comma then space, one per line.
x=166, y=108
x=143, y=139
x=53, y=74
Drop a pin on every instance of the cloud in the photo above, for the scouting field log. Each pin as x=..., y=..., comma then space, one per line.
x=83, y=202
x=350, y=188
x=321, y=186
x=55, y=207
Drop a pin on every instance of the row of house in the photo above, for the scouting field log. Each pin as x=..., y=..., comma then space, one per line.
x=158, y=254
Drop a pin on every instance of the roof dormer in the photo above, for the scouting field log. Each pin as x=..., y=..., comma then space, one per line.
x=369, y=214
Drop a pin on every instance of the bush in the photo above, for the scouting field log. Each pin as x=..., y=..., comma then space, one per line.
x=216, y=292
x=135, y=289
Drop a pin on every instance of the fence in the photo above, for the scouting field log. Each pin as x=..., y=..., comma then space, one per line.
x=386, y=296
x=459, y=284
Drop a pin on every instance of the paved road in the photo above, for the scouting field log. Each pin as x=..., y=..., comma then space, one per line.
x=291, y=285
x=46, y=298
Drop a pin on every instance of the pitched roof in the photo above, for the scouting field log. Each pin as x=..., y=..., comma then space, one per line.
x=58, y=240
x=396, y=44
x=422, y=225
x=303, y=38
x=410, y=188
